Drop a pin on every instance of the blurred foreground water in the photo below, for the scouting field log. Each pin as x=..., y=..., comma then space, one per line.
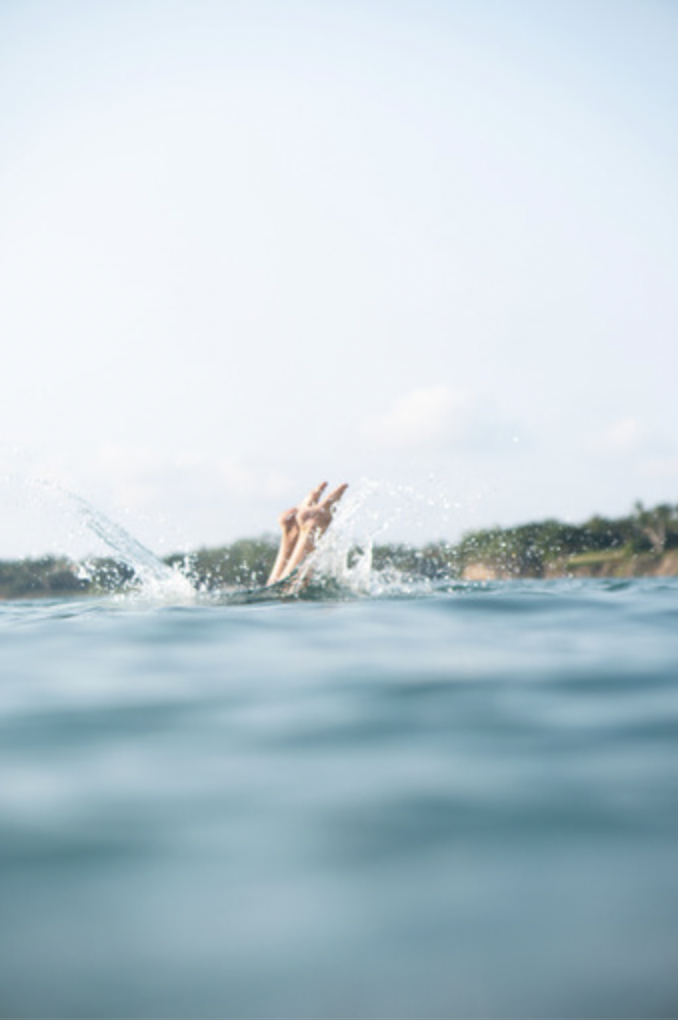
x=462, y=802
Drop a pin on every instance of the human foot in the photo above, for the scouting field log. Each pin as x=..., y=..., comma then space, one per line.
x=290, y=526
x=313, y=520
x=317, y=516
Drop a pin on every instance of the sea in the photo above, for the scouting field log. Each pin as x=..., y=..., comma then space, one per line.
x=388, y=800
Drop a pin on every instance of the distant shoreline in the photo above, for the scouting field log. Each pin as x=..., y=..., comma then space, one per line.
x=642, y=544
x=611, y=564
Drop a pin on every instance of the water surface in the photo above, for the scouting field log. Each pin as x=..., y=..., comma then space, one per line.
x=453, y=802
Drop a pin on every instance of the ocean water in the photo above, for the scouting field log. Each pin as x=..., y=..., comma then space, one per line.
x=451, y=801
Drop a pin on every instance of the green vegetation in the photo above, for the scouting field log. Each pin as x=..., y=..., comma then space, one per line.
x=41, y=578
x=56, y=576
x=550, y=548
x=245, y=563
x=644, y=542
x=628, y=545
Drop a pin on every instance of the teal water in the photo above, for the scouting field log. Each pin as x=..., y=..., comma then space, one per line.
x=454, y=802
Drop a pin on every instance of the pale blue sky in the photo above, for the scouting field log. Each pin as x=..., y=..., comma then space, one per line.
x=247, y=245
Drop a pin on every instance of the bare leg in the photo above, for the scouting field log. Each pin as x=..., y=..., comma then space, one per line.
x=289, y=525
x=313, y=521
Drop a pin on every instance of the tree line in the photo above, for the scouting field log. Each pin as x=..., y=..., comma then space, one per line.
x=527, y=550
x=530, y=550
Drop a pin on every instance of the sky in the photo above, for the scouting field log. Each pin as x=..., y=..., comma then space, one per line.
x=246, y=245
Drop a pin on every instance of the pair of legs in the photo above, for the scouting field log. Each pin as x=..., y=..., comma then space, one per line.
x=302, y=526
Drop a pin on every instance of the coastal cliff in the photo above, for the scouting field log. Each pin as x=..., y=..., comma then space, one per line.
x=611, y=564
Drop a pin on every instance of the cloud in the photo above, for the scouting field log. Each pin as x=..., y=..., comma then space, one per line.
x=662, y=467
x=655, y=455
x=141, y=477
x=620, y=438
x=423, y=418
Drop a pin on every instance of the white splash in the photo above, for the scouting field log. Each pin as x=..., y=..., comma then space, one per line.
x=370, y=509
x=153, y=580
